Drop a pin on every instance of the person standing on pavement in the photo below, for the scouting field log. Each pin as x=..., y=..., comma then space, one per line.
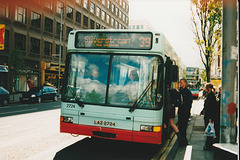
x=209, y=111
x=184, y=112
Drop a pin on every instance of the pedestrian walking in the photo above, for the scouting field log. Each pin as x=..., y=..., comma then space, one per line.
x=209, y=111
x=184, y=112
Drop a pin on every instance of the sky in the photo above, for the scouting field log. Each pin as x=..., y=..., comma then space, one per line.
x=173, y=19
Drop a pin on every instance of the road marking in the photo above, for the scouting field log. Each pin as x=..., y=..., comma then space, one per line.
x=25, y=110
x=188, y=153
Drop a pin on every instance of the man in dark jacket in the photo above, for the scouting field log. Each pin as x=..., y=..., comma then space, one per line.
x=184, y=112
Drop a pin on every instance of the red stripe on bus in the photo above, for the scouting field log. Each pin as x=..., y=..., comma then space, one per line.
x=121, y=134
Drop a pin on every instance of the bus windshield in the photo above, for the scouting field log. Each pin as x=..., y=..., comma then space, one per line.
x=113, y=80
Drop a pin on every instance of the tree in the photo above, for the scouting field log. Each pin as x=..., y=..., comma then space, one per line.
x=203, y=75
x=16, y=65
x=207, y=28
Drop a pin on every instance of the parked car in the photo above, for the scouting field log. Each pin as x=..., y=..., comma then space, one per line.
x=39, y=94
x=4, y=96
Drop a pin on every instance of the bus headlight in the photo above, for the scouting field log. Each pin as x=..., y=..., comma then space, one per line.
x=66, y=119
x=148, y=128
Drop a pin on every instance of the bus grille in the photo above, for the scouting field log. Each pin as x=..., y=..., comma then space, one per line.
x=104, y=134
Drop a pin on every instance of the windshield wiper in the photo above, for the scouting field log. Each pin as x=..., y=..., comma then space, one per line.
x=133, y=107
x=80, y=103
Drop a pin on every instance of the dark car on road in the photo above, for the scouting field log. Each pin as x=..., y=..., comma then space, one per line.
x=39, y=94
x=4, y=96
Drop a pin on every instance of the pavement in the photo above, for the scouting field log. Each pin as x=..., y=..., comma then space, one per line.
x=196, y=139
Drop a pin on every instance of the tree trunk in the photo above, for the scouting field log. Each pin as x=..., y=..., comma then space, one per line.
x=208, y=73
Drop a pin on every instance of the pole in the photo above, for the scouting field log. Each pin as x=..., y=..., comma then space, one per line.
x=228, y=97
x=60, y=47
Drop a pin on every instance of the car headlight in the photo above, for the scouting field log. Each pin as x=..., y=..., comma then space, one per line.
x=33, y=95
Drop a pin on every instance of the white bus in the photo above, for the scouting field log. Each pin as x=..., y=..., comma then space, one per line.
x=114, y=84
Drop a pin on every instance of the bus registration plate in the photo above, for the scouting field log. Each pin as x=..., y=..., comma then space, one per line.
x=105, y=123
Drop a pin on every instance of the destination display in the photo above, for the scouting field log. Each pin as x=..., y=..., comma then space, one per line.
x=114, y=40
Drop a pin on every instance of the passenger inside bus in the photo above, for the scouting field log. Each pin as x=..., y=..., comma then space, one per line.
x=132, y=86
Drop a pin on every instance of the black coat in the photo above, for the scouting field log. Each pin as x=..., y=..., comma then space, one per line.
x=210, y=110
x=186, y=106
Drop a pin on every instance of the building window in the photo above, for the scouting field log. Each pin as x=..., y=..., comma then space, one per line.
x=120, y=1
x=59, y=7
x=127, y=20
x=20, y=41
x=120, y=26
x=124, y=5
x=117, y=11
x=48, y=25
x=35, y=20
x=108, y=19
x=4, y=10
x=117, y=26
x=47, y=48
x=48, y=4
x=103, y=15
x=104, y=2
x=78, y=17
x=20, y=14
x=67, y=31
x=97, y=26
x=124, y=17
x=35, y=45
x=141, y=26
x=120, y=14
x=58, y=29
x=78, y=1
x=92, y=7
x=85, y=21
x=85, y=4
x=113, y=8
x=112, y=22
x=92, y=24
x=69, y=12
x=58, y=51
x=98, y=11
x=108, y=4
x=127, y=7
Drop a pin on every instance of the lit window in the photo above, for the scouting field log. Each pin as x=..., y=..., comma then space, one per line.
x=92, y=7
x=108, y=19
x=69, y=12
x=113, y=8
x=103, y=15
x=98, y=11
x=48, y=4
x=59, y=7
x=20, y=14
x=4, y=10
x=85, y=4
x=35, y=20
x=112, y=22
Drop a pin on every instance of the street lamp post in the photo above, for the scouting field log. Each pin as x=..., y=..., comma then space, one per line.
x=60, y=50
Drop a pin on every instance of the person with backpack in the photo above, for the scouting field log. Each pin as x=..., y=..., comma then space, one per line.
x=184, y=112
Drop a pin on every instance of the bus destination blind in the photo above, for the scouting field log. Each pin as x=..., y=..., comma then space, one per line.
x=114, y=40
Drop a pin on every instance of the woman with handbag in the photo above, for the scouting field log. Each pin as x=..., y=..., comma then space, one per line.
x=209, y=111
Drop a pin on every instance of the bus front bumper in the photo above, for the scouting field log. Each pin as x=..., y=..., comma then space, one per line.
x=112, y=133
